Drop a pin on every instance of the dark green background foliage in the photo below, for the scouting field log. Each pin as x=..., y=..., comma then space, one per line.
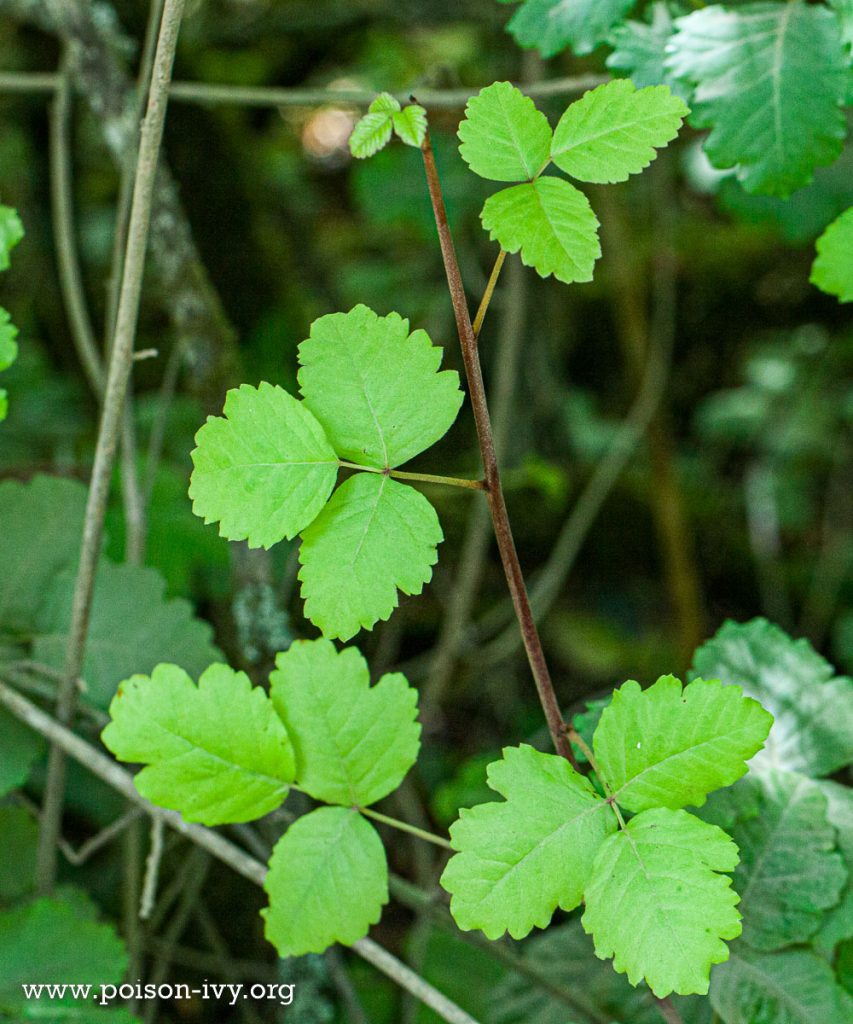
x=677, y=452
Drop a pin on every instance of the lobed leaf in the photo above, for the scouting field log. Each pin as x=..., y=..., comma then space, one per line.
x=657, y=903
x=790, y=987
x=789, y=871
x=769, y=82
x=327, y=882
x=47, y=942
x=614, y=131
x=837, y=925
x=216, y=752
x=813, y=712
x=669, y=747
x=263, y=470
x=520, y=859
x=132, y=627
x=384, y=103
x=503, y=136
x=639, y=50
x=376, y=389
x=375, y=537
x=40, y=527
x=552, y=25
x=551, y=223
x=832, y=270
x=354, y=743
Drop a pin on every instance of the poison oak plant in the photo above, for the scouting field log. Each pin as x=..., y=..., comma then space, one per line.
x=653, y=877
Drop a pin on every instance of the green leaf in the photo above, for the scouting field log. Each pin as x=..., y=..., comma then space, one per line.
x=844, y=12
x=375, y=388
x=832, y=270
x=614, y=131
x=354, y=742
x=639, y=50
x=410, y=125
x=11, y=232
x=657, y=904
x=132, y=627
x=837, y=924
x=813, y=728
x=40, y=527
x=789, y=870
x=563, y=957
x=790, y=987
x=17, y=854
x=552, y=25
x=503, y=136
x=264, y=470
x=770, y=80
x=46, y=942
x=370, y=134
x=520, y=859
x=20, y=748
x=551, y=222
x=374, y=537
x=327, y=882
x=8, y=345
x=668, y=747
x=384, y=103
x=216, y=752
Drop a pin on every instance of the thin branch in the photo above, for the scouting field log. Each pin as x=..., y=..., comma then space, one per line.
x=217, y=845
x=152, y=870
x=497, y=506
x=222, y=94
x=121, y=361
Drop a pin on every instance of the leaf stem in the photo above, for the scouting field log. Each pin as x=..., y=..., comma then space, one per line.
x=404, y=826
x=575, y=737
x=488, y=293
x=424, y=478
x=120, y=364
x=497, y=505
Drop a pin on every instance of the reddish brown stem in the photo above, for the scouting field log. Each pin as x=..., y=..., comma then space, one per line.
x=494, y=491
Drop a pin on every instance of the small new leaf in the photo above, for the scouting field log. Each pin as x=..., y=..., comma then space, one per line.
x=520, y=859
x=503, y=136
x=263, y=470
x=376, y=389
x=384, y=103
x=657, y=904
x=410, y=125
x=354, y=743
x=614, y=131
x=374, y=537
x=832, y=270
x=370, y=134
x=668, y=747
x=551, y=223
x=327, y=882
x=216, y=752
